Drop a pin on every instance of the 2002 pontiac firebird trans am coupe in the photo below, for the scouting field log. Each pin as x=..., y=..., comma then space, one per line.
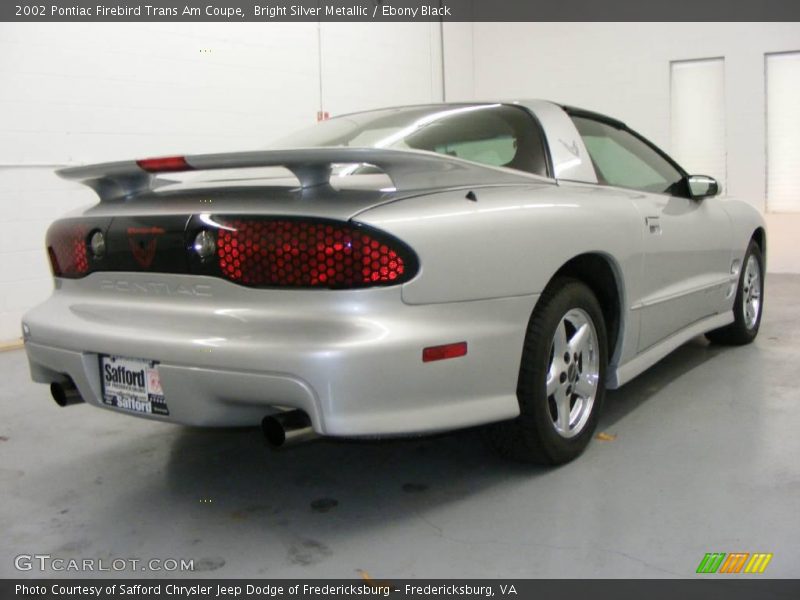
x=393, y=272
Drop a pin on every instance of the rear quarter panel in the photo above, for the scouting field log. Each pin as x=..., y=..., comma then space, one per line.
x=511, y=240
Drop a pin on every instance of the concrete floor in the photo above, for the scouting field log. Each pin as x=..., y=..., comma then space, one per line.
x=706, y=458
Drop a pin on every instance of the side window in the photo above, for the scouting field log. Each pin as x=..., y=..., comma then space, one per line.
x=497, y=151
x=621, y=159
x=496, y=135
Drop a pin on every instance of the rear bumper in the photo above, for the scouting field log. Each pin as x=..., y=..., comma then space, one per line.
x=229, y=356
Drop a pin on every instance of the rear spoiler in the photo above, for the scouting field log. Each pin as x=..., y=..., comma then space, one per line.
x=408, y=170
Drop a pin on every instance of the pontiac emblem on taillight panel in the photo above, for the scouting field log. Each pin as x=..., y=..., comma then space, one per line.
x=143, y=242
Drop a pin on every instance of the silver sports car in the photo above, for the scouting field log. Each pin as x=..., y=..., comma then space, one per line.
x=393, y=272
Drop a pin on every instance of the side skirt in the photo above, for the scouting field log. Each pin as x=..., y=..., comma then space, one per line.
x=624, y=373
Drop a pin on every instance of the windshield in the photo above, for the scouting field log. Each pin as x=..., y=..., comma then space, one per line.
x=493, y=134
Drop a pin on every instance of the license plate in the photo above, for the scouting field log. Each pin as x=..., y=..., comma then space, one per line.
x=132, y=384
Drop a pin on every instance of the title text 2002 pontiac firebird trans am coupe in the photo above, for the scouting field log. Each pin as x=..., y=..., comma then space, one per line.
x=395, y=272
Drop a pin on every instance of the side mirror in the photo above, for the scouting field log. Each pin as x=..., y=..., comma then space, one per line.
x=702, y=186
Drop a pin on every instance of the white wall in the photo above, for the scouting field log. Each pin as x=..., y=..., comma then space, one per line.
x=623, y=69
x=697, y=117
x=80, y=93
x=370, y=65
x=459, y=64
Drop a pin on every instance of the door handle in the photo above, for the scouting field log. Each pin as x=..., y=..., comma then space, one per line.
x=653, y=225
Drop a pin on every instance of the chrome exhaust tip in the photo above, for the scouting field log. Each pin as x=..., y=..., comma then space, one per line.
x=65, y=393
x=287, y=428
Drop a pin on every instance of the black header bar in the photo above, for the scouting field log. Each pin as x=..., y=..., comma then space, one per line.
x=399, y=10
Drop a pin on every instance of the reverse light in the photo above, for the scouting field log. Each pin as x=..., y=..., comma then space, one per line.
x=98, y=244
x=432, y=353
x=164, y=164
x=204, y=244
x=301, y=252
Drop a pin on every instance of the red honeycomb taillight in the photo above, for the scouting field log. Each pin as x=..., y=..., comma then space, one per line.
x=285, y=252
x=67, y=249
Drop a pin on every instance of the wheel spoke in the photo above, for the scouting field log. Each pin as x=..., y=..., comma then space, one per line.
x=563, y=409
x=579, y=339
x=552, y=378
x=560, y=340
x=584, y=386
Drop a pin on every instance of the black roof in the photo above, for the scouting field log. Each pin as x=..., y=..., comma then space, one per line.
x=582, y=112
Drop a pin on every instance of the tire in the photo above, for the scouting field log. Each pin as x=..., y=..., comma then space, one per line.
x=748, y=305
x=543, y=434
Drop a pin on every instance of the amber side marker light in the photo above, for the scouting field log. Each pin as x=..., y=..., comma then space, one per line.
x=164, y=164
x=443, y=352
